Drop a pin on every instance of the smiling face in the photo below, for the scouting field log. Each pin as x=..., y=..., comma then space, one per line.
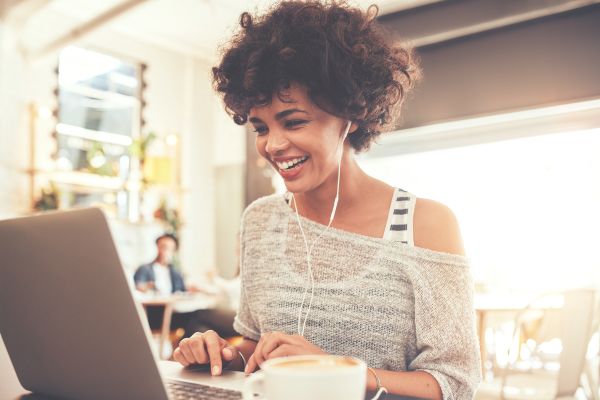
x=301, y=141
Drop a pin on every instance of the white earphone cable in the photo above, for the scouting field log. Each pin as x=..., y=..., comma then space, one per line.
x=302, y=325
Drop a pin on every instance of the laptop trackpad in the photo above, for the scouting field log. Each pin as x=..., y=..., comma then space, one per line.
x=232, y=380
x=204, y=367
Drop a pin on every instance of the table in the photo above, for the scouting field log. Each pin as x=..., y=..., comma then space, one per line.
x=10, y=387
x=508, y=304
x=178, y=302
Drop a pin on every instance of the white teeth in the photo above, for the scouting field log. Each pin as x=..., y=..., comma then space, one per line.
x=289, y=164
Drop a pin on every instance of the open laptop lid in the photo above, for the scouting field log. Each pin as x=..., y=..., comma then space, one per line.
x=67, y=315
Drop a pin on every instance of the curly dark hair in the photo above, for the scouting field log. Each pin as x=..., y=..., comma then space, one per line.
x=339, y=53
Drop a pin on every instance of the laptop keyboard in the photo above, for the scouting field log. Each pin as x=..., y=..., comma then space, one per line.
x=180, y=390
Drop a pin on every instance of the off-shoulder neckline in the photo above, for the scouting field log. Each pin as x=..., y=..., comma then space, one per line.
x=279, y=200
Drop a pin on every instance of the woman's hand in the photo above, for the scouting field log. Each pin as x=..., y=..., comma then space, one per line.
x=278, y=344
x=202, y=348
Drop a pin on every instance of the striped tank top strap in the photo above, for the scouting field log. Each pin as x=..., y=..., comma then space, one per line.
x=399, y=224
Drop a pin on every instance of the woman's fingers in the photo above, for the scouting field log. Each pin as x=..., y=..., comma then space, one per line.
x=198, y=347
x=283, y=351
x=278, y=344
x=213, y=347
x=274, y=341
x=228, y=353
x=255, y=358
x=186, y=351
x=202, y=348
x=267, y=343
x=178, y=356
x=251, y=365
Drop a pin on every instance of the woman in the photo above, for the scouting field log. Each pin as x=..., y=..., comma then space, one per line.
x=343, y=264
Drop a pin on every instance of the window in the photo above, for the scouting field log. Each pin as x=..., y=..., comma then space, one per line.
x=528, y=207
x=99, y=119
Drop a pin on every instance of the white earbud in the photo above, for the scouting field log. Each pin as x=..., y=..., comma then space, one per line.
x=302, y=325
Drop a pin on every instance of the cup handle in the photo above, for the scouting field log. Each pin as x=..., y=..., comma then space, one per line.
x=248, y=388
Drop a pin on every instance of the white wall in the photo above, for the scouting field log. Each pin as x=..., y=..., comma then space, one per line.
x=229, y=148
x=13, y=133
x=212, y=139
x=229, y=139
x=198, y=244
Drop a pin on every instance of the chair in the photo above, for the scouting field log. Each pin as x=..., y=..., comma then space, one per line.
x=592, y=366
x=575, y=330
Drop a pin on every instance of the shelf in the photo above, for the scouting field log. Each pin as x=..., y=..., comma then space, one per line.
x=158, y=188
x=87, y=180
x=98, y=136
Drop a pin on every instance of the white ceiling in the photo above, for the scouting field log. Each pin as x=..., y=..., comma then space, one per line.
x=194, y=27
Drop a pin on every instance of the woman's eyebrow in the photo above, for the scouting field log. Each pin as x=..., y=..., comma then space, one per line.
x=285, y=113
x=279, y=115
x=256, y=120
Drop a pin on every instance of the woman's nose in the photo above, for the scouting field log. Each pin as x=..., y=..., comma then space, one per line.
x=276, y=143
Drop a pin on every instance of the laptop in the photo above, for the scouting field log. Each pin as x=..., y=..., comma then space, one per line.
x=70, y=323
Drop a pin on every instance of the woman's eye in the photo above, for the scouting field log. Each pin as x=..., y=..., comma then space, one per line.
x=295, y=123
x=260, y=130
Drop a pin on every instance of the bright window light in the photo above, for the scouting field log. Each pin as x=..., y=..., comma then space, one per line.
x=529, y=208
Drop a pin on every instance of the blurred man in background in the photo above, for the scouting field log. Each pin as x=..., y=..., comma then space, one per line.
x=161, y=278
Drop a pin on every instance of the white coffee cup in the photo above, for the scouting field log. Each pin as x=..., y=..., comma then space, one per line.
x=315, y=377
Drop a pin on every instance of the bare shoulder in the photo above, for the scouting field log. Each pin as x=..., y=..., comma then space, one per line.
x=435, y=227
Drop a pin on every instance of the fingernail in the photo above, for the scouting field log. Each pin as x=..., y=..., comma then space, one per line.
x=215, y=370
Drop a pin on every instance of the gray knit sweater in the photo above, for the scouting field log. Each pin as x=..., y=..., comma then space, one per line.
x=397, y=307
